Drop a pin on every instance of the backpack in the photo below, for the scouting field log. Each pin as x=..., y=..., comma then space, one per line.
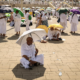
x=29, y=17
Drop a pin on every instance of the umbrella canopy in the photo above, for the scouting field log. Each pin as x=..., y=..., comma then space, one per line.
x=37, y=12
x=8, y=14
x=41, y=9
x=63, y=10
x=5, y=6
x=38, y=7
x=55, y=26
x=36, y=34
x=48, y=10
x=75, y=11
x=5, y=9
x=20, y=12
x=30, y=13
x=43, y=27
x=23, y=8
x=27, y=9
x=22, y=20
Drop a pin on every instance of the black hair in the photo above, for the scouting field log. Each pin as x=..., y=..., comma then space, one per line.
x=26, y=10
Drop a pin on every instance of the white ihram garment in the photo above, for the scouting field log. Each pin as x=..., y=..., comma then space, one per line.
x=53, y=13
x=48, y=15
x=17, y=20
x=29, y=51
x=52, y=33
x=38, y=16
x=74, y=22
x=44, y=17
x=57, y=14
x=63, y=21
x=27, y=21
x=2, y=24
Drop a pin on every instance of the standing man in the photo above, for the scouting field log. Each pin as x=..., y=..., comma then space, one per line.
x=2, y=25
x=63, y=21
x=53, y=12
x=17, y=20
x=74, y=23
x=27, y=19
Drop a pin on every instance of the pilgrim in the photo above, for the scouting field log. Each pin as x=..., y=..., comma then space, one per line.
x=30, y=55
x=17, y=21
x=2, y=25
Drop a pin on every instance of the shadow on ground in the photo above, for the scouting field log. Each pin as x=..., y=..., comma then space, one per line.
x=10, y=29
x=76, y=34
x=28, y=74
x=56, y=42
x=65, y=34
x=14, y=37
x=2, y=40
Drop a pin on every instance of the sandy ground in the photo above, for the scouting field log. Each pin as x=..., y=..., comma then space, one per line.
x=59, y=56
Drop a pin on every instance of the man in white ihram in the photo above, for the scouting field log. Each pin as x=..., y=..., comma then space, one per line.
x=2, y=25
x=63, y=21
x=27, y=19
x=17, y=20
x=74, y=23
x=29, y=55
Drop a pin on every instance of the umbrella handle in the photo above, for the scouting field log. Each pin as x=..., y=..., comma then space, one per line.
x=33, y=41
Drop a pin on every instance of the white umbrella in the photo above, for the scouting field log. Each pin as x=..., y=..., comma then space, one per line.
x=48, y=10
x=37, y=12
x=5, y=9
x=36, y=34
x=8, y=9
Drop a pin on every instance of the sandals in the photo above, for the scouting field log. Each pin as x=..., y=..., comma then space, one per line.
x=30, y=66
x=36, y=64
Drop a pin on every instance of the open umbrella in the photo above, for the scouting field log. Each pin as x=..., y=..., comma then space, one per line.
x=8, y=14
x=30, y=13
x=5, y=6
x=41, y=9
x=36, y=34
x=63, y=10
x=22, y=20
x=75, y=11
x=48, y=10
x=55, y=26
x=20, y=12
x=5, y=9
x=43, y=27
x=37, y=12
x=27, y=9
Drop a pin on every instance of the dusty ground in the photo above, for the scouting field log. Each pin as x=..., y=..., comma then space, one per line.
x=58, y=57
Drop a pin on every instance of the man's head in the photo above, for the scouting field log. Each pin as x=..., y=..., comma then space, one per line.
x=51, y=28
x=29, y=41
x=11, y=12
x=17, y=12
x=26, y=11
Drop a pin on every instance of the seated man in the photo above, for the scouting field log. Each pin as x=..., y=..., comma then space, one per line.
x=54, y=34
x=29, y=55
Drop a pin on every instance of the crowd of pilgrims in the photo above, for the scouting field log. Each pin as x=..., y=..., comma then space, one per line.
x=28, y=50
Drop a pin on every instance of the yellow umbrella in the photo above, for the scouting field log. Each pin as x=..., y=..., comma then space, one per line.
x=57, y=9
x=30, y=13
x=55, y=26
x=41, y=9
x=22, y=17
x=43, y=27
